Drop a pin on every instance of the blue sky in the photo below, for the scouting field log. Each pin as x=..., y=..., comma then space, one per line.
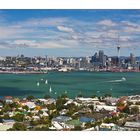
x=69, y=32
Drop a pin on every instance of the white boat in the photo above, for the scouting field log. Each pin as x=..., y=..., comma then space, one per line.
x=50, y=90
x=123, y=78
x=46, y=82
x=37, y=84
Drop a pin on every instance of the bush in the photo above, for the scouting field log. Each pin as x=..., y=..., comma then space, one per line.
x=30, y=97
x=47, y=96
x=18, y=127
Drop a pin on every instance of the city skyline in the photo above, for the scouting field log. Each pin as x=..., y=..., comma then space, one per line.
x=69, y=32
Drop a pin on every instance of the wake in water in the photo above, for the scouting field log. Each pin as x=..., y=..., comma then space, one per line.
x=121, y=80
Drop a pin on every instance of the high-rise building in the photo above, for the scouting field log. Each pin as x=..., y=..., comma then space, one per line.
x=102, y=58
x=132, y=59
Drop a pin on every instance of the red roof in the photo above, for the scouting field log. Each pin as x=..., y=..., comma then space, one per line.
x=8, y=97
x=121, y=107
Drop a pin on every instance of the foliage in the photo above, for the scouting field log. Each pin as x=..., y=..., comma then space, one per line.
x=42, y=128
x=108, y=95
x=47, y=96
x=18, y=127
x=25, y=107
x=126, y=110
x=64, y=96
x=7, y=108
x=60, y=103
x=129, y=103
x=51, y=106
x=77, y=128
x=30, y=97
x=19, y=117
x=137, y=103
x=34, y=123
x=134, y=110
x=79, y=95
x=93, y=96
x=14, y=105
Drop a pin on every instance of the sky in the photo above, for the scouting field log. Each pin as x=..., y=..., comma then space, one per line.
x=69, y=32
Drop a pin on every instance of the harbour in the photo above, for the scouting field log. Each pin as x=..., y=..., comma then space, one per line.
x=84, y=83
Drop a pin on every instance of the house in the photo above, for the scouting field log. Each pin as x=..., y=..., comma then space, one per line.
x=36, y=118
x=85, y=110
x=70, y=101
x=48, y=101
x=86, y=119
x=134, y=98
x=6, y=124
x=1, y=105
x=105, y=107
x=61, y=119
x=132, y=125
x=8, y=99
x=4, y=127
x=87, y=101
x=31, y=105
x=107, y=125
x=57, y=126
x=63, y=111
x=73, y=123
x=111, y=101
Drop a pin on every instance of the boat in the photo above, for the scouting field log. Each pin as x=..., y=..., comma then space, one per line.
x=46, y=82
x=50, y=90
x=123, y=78
x=42, y=79
x=37, y=84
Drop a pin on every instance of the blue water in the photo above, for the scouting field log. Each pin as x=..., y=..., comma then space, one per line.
x=72, y=83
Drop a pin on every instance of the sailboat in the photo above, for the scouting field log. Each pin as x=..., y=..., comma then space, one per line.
x=37, y=84
x=46, y=82
x=50, y=90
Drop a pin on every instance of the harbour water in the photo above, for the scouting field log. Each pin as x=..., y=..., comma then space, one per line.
x=71, y=83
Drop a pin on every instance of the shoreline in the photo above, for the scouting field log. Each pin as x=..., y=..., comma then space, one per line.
x=41, y=72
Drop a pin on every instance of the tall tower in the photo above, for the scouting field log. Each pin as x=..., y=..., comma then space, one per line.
x=118, y=53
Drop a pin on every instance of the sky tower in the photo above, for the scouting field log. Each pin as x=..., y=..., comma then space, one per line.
x=118, y=53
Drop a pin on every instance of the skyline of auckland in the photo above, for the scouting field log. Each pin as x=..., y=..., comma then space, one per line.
x=69, y=32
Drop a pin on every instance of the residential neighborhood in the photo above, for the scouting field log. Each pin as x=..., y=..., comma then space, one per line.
x=64, y=114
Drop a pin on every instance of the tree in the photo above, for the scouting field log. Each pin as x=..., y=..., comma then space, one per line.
x=134, y=110
x=19, y=117
x=30, y=97
x=18, y=127
x=93, y=96
x=14, y=105
x=42, y=129
x=77, y=128
x=137, y=103
x=108, y=95
x=126, y=110
x=80, y=95
x=51, y=106
x=7, y=108
x=47, y=96
x=63, y=96
x=60, y=103
x=25, y=107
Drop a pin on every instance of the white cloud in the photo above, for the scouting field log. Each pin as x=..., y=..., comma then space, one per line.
x=65, y=29
x=39, y=44
x=107, y=22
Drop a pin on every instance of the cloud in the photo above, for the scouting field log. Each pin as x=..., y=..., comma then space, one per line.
x=70, y=33
x=65, y=29
x=38, y=44
x=107, y=22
